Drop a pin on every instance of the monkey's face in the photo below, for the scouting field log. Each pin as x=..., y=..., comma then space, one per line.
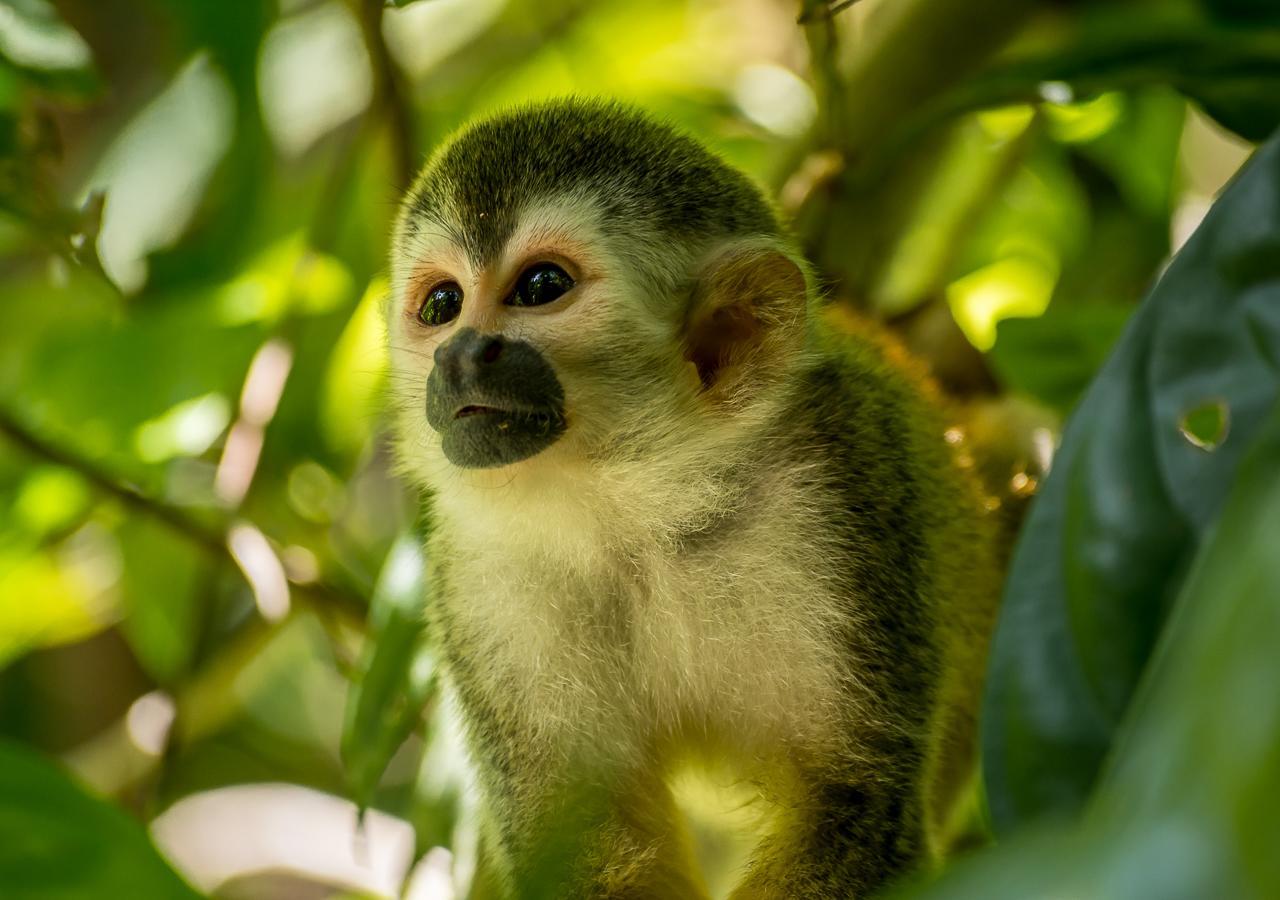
x=577, y=288
x=549, y=348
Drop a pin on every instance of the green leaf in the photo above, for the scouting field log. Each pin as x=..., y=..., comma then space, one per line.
x=1128, y=502
x=1243, y=10
x=163, y=595
x=1204, y=737
x=1186, y=808
x=397, y=672
x=1053, y=357
x=1232, y=70
x=56, y=841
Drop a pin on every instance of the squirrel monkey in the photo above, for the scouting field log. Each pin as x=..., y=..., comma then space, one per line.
x=678, y=514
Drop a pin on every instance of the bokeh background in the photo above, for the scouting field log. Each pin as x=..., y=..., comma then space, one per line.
x=202, y=549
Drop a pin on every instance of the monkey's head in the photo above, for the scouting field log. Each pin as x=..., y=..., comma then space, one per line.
x=574, y=282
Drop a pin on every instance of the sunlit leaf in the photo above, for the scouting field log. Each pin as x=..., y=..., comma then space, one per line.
x=154, y=172
x=314, y=75
x=46, y=601
x=356, y=374
x=229, y=213
x=970, y=175
x=421, y=36
x=1017, y=285
x=185, y=429
x=286, y=277
x=51, y=498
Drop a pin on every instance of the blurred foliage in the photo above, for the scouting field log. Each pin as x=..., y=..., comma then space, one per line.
x=62, y=843
x=202, y=549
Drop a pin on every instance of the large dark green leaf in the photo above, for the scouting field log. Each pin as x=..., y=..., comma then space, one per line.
x=1186, y=808
x=1132, y=491
x=1201, y=747
x=56, y=841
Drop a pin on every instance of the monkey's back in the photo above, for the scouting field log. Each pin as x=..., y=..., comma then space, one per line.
x=919, y=556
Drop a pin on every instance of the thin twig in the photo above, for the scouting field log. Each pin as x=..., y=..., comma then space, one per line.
x=208, y=538
x=388, y=96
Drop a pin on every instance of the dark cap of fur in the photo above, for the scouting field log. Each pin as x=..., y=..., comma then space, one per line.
x=646, y=177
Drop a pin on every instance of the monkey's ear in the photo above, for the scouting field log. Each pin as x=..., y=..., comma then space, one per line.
x=747, y=316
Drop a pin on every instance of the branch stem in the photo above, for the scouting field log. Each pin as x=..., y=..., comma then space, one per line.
x=208, y=538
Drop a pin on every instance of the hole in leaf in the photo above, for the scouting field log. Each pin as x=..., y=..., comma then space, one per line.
x=1206, y=424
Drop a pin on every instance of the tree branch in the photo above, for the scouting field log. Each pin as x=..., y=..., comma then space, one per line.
x=388, y=97
x=210, y=539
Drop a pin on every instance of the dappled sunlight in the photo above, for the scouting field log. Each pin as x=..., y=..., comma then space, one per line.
x=354, y=382
x=776, y=98
x=313, y=76
x=1014, y=286
x=286, y=278
x=188, y=428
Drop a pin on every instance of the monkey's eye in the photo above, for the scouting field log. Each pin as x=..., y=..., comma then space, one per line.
x=442, y=304
x=540, y=283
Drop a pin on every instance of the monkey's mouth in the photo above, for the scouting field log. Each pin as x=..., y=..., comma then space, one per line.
x=477, y=435
x=496, y=411
x=476, y=410
x=537, y=419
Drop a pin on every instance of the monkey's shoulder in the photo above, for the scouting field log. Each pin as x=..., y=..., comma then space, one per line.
x=896, y=490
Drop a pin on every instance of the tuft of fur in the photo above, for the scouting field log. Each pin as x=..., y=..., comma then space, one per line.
x=791, y=578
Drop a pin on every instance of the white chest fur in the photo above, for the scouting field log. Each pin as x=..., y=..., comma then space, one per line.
x=581, y=636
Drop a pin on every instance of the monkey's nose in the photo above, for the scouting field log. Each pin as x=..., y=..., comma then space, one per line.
x=469, y=351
